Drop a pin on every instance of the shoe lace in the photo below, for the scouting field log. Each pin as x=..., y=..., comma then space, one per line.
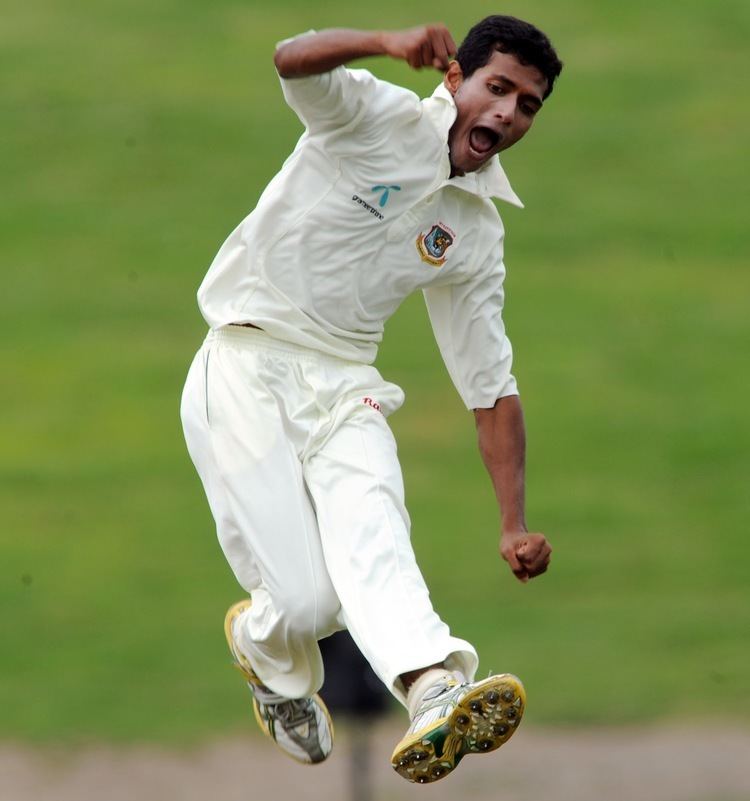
x=294, y=712
x=290, y=712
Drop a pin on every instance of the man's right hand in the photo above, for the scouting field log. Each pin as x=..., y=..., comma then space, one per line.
x=424, y=46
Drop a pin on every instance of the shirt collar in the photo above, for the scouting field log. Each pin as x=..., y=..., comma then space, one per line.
x=488, y=181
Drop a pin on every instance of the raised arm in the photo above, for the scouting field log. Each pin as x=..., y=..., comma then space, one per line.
x=502, y=443
x=425, y=46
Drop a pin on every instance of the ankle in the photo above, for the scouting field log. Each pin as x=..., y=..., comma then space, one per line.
x=427, y=679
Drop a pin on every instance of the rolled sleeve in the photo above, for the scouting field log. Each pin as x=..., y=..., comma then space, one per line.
x=468, y=325
x=328, y=100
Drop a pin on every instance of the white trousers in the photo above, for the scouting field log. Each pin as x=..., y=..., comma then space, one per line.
x=300, y=469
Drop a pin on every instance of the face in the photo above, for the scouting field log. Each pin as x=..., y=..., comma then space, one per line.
x=496, y=106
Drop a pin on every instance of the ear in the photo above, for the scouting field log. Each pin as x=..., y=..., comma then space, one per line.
x=453, y=77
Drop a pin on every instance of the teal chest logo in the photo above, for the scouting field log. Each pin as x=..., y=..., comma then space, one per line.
x=386, y=190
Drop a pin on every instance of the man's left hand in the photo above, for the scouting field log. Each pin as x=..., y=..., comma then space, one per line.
x=527, y=554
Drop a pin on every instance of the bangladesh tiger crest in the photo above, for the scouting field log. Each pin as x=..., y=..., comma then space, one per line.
x=433, y=245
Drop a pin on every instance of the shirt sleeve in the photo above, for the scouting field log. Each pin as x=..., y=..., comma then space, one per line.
x=329, y=100
x=468, y=326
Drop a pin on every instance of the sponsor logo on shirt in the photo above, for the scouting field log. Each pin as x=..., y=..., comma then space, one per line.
x=433, y=245
x=385, y=193
x=368, y=207
x=386, y=190
x=372, y=403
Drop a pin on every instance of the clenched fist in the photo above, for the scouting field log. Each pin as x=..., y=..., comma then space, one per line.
x=527, y=554
x=425, y=46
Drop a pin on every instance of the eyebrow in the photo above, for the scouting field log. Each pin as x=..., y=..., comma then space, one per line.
x=513, y=85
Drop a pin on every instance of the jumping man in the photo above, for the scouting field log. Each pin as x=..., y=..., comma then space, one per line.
x=285, y=417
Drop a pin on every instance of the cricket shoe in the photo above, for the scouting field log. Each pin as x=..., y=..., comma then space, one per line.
x=453, y=720
x=301, y=727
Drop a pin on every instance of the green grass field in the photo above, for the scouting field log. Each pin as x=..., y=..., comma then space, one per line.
x=136, y=136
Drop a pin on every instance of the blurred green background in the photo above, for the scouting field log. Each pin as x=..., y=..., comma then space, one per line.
x=136, y=135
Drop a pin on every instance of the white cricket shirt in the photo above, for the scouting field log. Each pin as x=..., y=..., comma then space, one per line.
x=362, y=214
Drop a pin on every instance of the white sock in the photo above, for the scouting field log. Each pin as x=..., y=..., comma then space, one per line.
x=420, y=686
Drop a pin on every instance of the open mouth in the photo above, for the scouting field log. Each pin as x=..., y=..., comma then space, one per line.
x=482, y=140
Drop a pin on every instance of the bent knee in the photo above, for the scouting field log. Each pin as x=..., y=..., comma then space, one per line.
x=311, y=615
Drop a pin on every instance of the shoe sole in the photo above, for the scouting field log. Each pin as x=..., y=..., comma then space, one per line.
x=484, y=719
x=250, y=677
x=240, y=662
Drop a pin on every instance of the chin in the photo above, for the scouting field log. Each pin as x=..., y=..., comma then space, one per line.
x=468, y=163
x=476, y=165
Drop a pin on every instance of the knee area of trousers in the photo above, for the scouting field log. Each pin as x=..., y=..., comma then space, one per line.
x=316, y=616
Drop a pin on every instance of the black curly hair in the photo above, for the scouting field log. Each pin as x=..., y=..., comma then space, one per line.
x=509, y=35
